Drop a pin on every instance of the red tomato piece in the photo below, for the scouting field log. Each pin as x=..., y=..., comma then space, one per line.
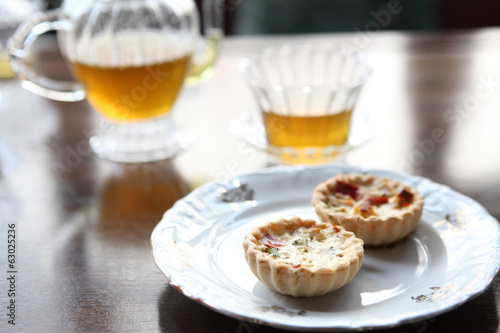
x=377, y=200
x=347, y=189
x=404, y=198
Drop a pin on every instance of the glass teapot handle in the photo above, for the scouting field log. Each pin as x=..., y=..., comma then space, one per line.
x=207, y=52
x=19, y=47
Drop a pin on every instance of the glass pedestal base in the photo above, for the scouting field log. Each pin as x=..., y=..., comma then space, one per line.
x=138, y=142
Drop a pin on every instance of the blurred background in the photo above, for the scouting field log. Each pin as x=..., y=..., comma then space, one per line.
x=296, y=16
x=247, y=17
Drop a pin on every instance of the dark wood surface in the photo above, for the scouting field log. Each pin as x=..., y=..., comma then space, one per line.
x=83, y=225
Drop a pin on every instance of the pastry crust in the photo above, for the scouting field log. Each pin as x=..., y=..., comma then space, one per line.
x=380, y=211
x=303, y=257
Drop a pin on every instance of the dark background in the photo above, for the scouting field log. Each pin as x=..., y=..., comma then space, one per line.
x=243, y=17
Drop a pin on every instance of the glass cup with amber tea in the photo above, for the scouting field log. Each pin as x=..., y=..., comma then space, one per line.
x=306, y=94
x=130, y=59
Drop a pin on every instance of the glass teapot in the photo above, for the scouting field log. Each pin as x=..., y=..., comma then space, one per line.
x=130, y=59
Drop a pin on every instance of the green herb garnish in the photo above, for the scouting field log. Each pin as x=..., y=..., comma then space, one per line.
x=273, y=251
x=300, y=241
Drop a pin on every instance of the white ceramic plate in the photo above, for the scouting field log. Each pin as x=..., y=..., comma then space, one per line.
x=451, y=257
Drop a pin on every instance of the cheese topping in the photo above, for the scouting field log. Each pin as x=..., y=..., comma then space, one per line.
x=306, y=247
x=377, y=198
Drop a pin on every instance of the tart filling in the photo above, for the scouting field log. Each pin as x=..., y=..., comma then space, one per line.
x=303, y=257
x=378, y=210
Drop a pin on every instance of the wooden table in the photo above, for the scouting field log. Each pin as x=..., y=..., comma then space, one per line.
x=83, y=255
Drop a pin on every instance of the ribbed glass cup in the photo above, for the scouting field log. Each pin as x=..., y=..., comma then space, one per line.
x=306, y=94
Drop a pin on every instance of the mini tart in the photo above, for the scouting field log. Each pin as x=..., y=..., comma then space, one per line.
x=378, y=210
x=303, y=258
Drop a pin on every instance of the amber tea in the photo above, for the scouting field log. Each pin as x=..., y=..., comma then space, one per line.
x=307, y=131
x=133, y=93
